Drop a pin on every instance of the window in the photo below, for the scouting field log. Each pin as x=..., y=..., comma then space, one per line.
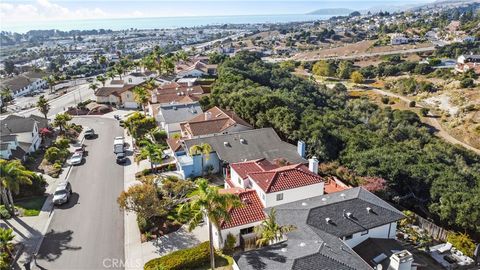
x=263, y=196
x=246, y=230
x=280, y=197
x=348, y=237
x=239, y=181
x=364, y=232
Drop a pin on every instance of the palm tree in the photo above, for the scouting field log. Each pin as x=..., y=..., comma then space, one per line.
x=101, y=79
x=141, y=96
x=270, y=231
x=61, y=121
x=12, y=174
x=93, y=86
x=120, y=70
x=152, y=151
x=181, y=56
x=102, y=60
x=203, y=149
x=6, y=245
x=150, y=84
x=212, y=205
x=168, y=65
x=50, y=81
x=111, y=74
x=6, y=96
x=43, y=106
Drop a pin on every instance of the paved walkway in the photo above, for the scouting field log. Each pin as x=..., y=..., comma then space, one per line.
x=138, y=253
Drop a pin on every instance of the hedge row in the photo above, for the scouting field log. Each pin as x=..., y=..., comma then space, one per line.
x=191, y=258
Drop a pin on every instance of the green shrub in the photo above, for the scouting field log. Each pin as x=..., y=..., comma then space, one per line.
x=467, y=83
x=4, y=214
x=462, y=242
x=171, y=167
x=412, y=104
x=143, y=224
x=191, y=258
x=229, y=244
x=62, y=143
x=385, y=100
x=424, y=111
x=52, y=154
x=57, y=165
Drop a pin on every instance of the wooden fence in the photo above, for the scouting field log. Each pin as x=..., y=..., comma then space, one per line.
x=435, y=231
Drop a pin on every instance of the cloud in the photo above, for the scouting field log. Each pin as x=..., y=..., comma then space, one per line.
x=44, y=10
x=137, y=13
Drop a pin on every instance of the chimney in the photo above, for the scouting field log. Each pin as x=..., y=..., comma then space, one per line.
x=401, y=260
x=301, y=146
x=154, y=97
x=313, y=165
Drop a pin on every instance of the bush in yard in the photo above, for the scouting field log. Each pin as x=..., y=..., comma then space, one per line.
x=62, y=143
x=412, y=104
x=467, y=83
x=229, y=244
x=4, y=214
x=385, y=100
x=462, y=242
x=424, y=111
x=191, y=258
x=57, y=165
x=37, y=188
x=52, y=154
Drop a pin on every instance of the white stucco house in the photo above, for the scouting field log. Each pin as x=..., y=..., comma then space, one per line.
x=25, y=83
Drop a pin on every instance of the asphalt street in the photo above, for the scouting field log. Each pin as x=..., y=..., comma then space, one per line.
x=88, y=232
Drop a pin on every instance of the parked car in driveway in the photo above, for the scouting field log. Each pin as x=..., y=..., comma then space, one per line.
x=76, y=158
x=89, y=133
x=62, y=193
x=121, y=157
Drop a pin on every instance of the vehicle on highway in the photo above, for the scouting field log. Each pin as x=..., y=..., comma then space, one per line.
x=121, y=157
x=76, y=158
x=118, y=145
x=89, y=133
x=62, y=193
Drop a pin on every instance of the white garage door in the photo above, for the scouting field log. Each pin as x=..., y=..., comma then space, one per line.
x=131, y=105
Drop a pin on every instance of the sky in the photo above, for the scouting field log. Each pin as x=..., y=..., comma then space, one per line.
x=12, y=12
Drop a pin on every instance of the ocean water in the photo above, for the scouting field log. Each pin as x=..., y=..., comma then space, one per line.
x=159, y=23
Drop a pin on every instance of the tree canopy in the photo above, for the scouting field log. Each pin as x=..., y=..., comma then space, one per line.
x=367, y=139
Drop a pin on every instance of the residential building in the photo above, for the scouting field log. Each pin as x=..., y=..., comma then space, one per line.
x=196, y=69
x=468, y=62
x=213, y=121
x=20, y=135
x=119, y=92
x=398, y=39
x=328, y=227
x=171, y=115
x=235, y=147
x=25, y=83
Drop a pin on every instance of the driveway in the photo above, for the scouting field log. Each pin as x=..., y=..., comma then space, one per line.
x=88, y=232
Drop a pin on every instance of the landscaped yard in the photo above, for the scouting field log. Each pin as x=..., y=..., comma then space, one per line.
x=31, y=206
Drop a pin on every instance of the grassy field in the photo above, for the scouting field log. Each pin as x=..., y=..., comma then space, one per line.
x=31, y=206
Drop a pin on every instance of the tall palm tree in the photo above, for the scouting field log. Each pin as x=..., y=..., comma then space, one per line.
x=152, y=151
x=180, y=56
x=212, y=205
x=43, y=106
x=203, y=149
x=141, y=96
x=111, y=74
x=270, y=231
x=101, y=79
x=6, y=96
x=93, y=86
x=12, y=174
x=50, y=81
x=61, y=121
x=120, y=70
x=102, y=60
x=150, y=84
x=168, y=65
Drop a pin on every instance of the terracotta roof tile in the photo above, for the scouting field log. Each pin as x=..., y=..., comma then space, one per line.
x=259, y=165
x=174, y=144
x=284, y=178
x=252, y=210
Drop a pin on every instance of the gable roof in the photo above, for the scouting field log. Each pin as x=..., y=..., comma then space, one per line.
x=178, y=112
x=215, y=120
x=173, y=92
x=252, y=210
x=13, y=124
x=284, y=178
x=310, y=246
x=249, y=145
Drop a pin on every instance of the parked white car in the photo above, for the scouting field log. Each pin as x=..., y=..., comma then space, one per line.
x=76, y=158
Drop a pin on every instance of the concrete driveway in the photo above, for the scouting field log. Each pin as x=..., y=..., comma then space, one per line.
x=88, y=232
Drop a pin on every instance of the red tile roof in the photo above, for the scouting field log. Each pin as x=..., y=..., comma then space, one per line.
x=173, y=92
x=259, y=165
x=252, y=210
x=332, y=186
x=284, y=178
x=174, y=144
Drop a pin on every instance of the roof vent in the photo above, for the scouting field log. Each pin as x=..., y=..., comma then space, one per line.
x=226, y=144
x=302, y=244
x=342, y=195
x=304, y=204
x=246, y=201
x=349, y=215
x=324, y=199
x=284, y=250
x=369, y=209
x=243, y=141
x=175, y=107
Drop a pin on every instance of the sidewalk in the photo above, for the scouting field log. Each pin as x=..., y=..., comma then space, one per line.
x=138, y=253
x=29, y=231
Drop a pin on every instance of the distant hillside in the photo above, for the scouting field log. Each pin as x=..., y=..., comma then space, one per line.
x=331, y=11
